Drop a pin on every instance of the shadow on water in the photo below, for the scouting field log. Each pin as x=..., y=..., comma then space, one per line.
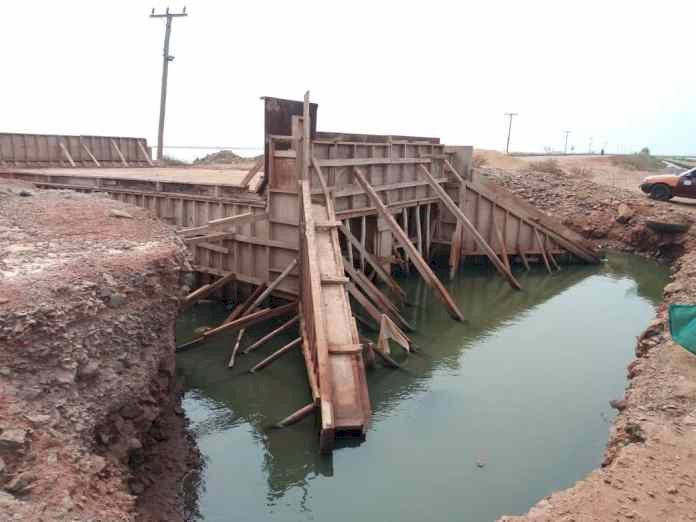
x=468, y=383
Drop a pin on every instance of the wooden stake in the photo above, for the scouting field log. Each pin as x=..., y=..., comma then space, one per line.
x=523, y=256
x=405, y=242
x=351, y=260
x=427, y=231
x=276, y=355
x=550, y=254
x=270, y=335
x=419, y=232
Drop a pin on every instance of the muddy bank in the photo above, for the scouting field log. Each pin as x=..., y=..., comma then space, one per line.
x=648, y=472
x=89, y=293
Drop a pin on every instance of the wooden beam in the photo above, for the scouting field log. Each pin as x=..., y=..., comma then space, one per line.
x=297, y=416
x=457, y=212
x=89, y=153
x=536, y=218
x=263, y=340
x=253, y=318
x=372, y=261
x=261, y=297
x=388, y=330
x=239, y=310
x=243, y=322
x=541, y=249
x=358, y=162
x=375, y=294
x=118, y=151
x=276, y=355
x=66, y=153
x=252, y=172
x=205, y=290
x=405, y=242
x=455, y=250
x=239, y=219
x=550, y=254
x=523, y=257
x=145, y=154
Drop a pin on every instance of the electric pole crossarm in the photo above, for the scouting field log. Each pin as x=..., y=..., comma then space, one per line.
x=166, y=58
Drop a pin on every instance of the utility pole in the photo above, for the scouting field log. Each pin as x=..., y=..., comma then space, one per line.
x=166, y=58
x=589, y=149
x=509, y=115
x=565, y=148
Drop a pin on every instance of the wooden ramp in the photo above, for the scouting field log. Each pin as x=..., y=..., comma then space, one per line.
x=332, y=349
x=332, y=346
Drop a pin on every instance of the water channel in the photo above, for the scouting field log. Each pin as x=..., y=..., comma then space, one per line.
x=489, y=417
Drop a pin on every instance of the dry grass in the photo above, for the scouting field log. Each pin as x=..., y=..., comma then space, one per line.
x=550, y=166
x=637, y=162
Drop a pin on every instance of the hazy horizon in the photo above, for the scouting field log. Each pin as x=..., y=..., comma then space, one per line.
x=617, y=73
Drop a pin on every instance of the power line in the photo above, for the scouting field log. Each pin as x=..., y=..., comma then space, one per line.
x=166, y=58
x=509, y=115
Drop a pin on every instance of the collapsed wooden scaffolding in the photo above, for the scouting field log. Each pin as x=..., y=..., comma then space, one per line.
x=407, y=195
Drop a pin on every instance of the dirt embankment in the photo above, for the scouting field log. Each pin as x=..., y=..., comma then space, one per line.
x=649, y=468
x=88, y=300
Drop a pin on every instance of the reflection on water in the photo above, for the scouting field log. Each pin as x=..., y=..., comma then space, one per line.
x=522, y=388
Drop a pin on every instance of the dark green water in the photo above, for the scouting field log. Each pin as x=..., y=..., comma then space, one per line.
x=523, y=387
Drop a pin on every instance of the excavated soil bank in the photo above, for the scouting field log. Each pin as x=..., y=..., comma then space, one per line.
x=89, y=419
x=648, y=472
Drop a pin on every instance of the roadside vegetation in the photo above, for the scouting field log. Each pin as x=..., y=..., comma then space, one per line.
x=641, y=161
x=549, y=166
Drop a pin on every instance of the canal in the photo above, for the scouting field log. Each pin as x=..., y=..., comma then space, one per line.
x=489, y=417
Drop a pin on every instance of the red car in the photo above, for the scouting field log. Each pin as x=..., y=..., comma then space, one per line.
x=665, y=186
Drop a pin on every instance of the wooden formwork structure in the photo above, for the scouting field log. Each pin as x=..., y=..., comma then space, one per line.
x=334, y=214
x=52, y=150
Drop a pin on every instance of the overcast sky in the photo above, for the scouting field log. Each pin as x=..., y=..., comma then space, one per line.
x=619, y=72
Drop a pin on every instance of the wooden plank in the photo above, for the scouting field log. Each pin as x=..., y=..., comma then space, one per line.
x=263, y=340
x=276, y=355
x=457, y=212
x=239, y=219
x=401, y=237
x=534, y=218
x=359, y=162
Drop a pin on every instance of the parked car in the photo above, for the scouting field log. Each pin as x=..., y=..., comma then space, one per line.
x=665, y=186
